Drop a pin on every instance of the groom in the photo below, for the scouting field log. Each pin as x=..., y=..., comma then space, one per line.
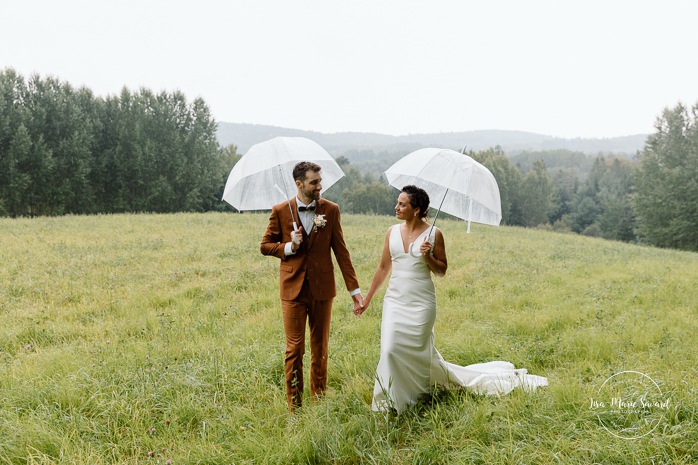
x=307, y=284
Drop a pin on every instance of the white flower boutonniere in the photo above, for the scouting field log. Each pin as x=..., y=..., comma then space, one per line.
x=319, y=222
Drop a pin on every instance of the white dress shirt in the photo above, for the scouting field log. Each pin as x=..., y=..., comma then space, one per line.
x=306, y=219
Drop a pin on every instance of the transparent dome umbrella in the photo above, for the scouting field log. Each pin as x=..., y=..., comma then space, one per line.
x=463, y=187
x=263, y=176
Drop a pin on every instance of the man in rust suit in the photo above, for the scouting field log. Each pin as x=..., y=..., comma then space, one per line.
x=306, y=282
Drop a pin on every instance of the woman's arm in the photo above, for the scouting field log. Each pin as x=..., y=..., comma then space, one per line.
x=436, y=261
x=382, y=271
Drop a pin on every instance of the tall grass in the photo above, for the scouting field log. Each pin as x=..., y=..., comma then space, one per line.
x=147, y=338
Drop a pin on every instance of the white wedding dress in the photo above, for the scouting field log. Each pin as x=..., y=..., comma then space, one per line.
x=409, y=363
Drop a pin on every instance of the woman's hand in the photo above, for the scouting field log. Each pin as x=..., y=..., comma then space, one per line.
x=435, y=254
x=358, y=311
x=425, y=248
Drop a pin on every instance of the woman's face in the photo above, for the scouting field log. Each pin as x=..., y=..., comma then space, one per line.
x=403, y=209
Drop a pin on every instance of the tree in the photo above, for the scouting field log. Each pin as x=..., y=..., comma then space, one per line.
x=64, y=151
x=18, y=184
x=228, y=158
x=15, y=144
x=534, y=201
x=585, y=205
x=616, y=220
x=370, y=198
x=666, y=194
x=68, y=113
x=601, y=206
x=203, y=160
x=507, y=176
x=566, y=186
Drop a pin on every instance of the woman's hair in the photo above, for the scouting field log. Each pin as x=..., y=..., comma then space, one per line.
x=418, y=199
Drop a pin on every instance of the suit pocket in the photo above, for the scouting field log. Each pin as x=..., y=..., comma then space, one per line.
x=286, y=268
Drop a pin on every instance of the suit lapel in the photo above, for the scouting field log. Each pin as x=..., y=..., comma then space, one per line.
x=297, y=217
x=294, y=212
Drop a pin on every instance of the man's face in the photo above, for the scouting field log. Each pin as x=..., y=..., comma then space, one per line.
x=309, y=189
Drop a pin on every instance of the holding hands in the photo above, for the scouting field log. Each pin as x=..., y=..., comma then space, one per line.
x=359, y=304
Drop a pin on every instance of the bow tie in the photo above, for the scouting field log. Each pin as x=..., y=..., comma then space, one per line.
x=311, y=208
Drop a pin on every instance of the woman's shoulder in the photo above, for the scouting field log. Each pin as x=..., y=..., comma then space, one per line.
x=433, y=231
x=391, y=229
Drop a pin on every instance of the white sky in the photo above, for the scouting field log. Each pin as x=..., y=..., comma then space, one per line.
x=566, y=68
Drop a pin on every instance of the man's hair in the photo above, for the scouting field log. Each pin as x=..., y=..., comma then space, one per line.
x=418, y=199
x=302, y=168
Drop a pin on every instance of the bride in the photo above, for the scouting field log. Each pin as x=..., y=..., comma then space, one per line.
x=409, y=364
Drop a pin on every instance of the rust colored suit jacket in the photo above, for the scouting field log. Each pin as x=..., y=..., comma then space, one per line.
x=313, y=260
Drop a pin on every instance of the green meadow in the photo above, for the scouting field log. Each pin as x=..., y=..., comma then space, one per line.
x=154, y=339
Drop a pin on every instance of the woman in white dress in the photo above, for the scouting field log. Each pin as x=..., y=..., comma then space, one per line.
x=409, y=364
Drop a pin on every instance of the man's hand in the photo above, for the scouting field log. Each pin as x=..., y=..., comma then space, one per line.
x=358, y=304
x=296, y=239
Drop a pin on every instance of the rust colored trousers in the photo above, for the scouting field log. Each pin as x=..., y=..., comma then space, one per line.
x=318, y=315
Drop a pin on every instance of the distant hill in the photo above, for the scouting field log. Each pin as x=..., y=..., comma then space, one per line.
x=513, y=142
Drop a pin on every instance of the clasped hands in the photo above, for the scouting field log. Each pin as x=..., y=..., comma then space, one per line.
x=359, y=304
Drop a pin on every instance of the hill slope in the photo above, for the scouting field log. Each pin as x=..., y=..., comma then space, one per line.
x=513, y=142
x=144, y=338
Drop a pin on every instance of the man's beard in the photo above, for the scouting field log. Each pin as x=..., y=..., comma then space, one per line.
x=312, y=195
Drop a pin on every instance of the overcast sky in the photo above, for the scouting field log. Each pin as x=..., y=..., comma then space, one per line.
x=592, y=68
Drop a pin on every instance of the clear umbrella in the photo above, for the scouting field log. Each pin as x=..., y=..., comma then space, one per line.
x=465, y=188
x=263, y=176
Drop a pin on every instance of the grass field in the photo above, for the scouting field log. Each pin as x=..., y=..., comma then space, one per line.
x=143, y=339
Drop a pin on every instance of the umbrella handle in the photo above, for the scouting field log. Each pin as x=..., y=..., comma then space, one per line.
x=410, y=248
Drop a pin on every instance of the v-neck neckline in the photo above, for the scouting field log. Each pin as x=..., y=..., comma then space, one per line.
x=406, y=249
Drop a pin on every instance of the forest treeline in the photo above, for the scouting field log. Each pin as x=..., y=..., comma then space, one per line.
x=65, y=151
x=650, y=198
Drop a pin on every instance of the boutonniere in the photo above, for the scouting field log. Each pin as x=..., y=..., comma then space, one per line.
x=319, y=221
